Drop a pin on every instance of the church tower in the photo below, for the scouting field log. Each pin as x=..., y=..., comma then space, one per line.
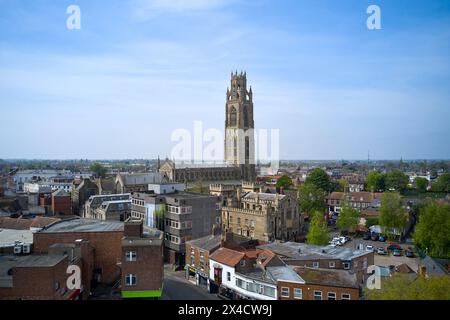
x=239, y=127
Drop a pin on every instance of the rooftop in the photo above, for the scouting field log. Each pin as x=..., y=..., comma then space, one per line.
x=83, y=225
x=227, y=256
x=9, y=262
x=263, y=196
x=284, y=273
x=328, y=277
x=303, y=251
x=208, y=243
x=8, y=237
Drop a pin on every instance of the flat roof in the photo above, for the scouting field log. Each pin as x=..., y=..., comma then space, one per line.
x=303, y=251
x=9, y=236
x=208, y=242
x=8, y=262
x=83, y=225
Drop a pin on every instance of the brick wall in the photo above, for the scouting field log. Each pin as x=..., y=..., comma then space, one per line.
x=308, y=291
x=62, y=205
x=107, y=248
x=148, y=268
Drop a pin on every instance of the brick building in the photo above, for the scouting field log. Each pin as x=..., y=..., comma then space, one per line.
x=44, y=276
x=262, y=216
x=320, y=284
x=142, y=261
x=197, y=258
x=323, y=257
x=61, y=202
x=104, y=236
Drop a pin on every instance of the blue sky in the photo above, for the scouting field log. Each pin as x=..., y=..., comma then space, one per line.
x=139, y=69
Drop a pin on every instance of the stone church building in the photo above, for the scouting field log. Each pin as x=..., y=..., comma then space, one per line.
x=239, y=144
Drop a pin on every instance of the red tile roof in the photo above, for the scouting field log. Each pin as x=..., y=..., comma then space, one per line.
x=227, y=256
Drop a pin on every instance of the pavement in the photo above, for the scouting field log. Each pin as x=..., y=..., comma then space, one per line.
x=177, y=287
x=386, y=260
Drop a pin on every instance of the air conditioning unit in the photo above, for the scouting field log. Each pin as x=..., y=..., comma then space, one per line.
x=17, y=249
x=26, y=248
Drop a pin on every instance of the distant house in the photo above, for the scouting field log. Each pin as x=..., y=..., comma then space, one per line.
x=357, y=200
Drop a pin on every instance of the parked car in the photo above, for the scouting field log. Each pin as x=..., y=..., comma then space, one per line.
x=409, y=253
x=381, y=251
x=366, y=236
x=394, y=246
x=397, y=253
x=369, y=248
x=374, y=237
x=381, y=238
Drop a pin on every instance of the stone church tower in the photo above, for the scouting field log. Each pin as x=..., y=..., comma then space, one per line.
x=239, y=127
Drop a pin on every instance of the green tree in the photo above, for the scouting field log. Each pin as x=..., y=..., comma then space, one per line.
x=284, y=182
x=393, y=216
x=443, y=183
x=311, y=198
x=404, y=287
x=396, y=180
x=375, y=181
x=348, y=218
x=318, y=232
x=421, y=184
x=98, y=169
x=432, y=230
x=320, y=179
x=158, y=215
x=342, y=185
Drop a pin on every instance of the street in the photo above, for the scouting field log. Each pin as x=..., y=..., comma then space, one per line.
x=177, y=287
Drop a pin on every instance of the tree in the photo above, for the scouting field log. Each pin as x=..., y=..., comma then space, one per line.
x=320, y=179
x=284, y=182
x=421, y=184
x=342, y=185
x=375, y=181
x=432, y=230
x=396, y=180
x=311, y=198
x=404, y=287
x=98, y=169
x=393, y=216
x=443, y=183
x=318, y=232
x=348, y=218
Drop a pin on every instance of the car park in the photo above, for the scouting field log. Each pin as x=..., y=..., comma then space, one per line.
x=409, y=253
x=369, y=248
x=381, y=238
x=394, y=246
x=366, y=236
x=374, y=237
x=381, y=251
x=397, y=253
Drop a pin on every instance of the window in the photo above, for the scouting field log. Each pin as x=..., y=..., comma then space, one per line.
x=242, y=263
x=332, y=264
x=131, y=255
x=238, y=220
x=130, y=280
x=346, y=265
x=252, y=223
x=317, y=295
x=285, y=292
x=228, y=276
x=365, y=263
x=355, y=264
x=298, y=294
x=315, y=264
x=331, y=295
x=345, y=296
